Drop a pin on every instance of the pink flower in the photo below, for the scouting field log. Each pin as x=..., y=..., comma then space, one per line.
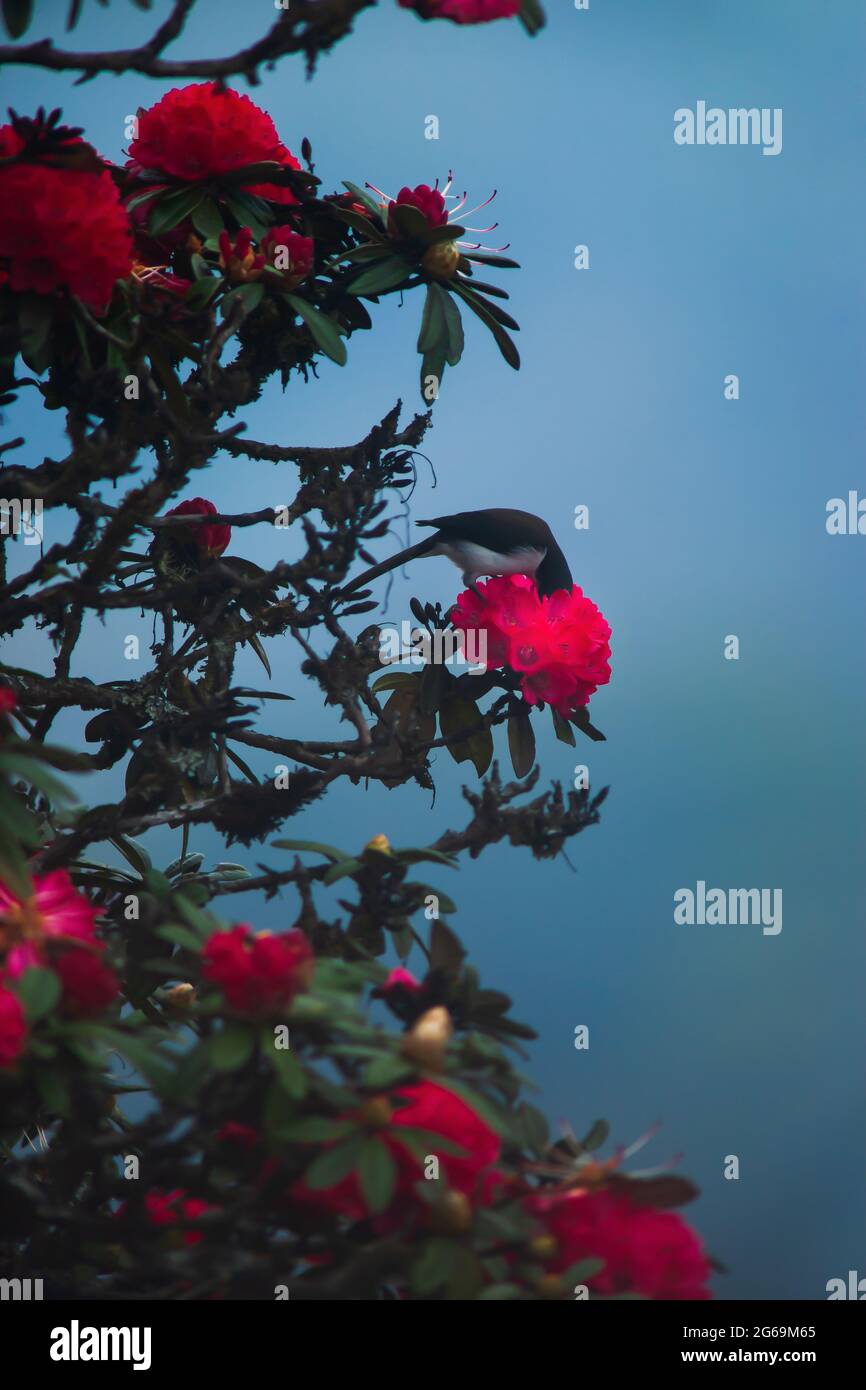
x=290, y=253
x=13, y=1028
x=463, y=11
x=258, y=975
x=400, y=978
x=202, y=131
x=55, y=912
x=429, y=201
x=89, y=986
x=210, y=538
x=645, y=1251
x=559, y=644
x=176, y=1209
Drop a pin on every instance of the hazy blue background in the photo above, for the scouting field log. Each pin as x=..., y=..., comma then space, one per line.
x=707, y=518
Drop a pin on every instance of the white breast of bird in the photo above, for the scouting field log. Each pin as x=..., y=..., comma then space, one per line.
x=476, y=560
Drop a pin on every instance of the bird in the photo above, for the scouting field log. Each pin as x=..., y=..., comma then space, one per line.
x=493, y=541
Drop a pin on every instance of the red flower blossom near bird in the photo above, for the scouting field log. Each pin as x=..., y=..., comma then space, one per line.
x=558, y=643
x=54, y=914
x=258, y=976
x=62, y=229
x=645, y=1251
x=175, y=1209
x=424, y=1105
x=203, y=131
x=430, y=202
x=89, y=986
x=13, y=1028
x=238, y=259
x=463, y=11
x=290, y=253
x=8, y=703
x=210, y=538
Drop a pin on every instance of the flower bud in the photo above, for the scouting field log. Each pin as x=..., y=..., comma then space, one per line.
x=427, y=1041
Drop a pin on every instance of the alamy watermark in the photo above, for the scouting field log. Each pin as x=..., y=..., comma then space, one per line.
x=441, y=647
x=739, y=125
x=22, y=517
x=720, y=907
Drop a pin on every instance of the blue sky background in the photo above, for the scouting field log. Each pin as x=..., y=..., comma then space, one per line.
x=707, y=517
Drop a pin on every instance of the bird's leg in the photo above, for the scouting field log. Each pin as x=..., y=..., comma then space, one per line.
x=469, y=581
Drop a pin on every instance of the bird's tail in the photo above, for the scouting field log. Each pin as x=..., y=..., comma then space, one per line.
x=411, y=553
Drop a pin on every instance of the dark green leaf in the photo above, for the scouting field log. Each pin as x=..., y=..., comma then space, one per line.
x=39, y=990
x=207, y=218
x=324, y=330
x=377, y=1172
x=17, y=15
x=335, y=1163
x=169, y=211
x=381, y=277
x=521, y=744
x=232, y=1048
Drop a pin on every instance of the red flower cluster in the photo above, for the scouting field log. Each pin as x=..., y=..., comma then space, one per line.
x=428, y=201
x=55, y=927
x=463, y=11
x=645, y=1251
x=202, y=131
x=210, y=538
x=13, y=1029
x=8, y=701
x=437, y=1110
x=176, y=1209
x=259, y=976
x=62, y=228
x=290, y=253
x=238, y=259
x=559, y=644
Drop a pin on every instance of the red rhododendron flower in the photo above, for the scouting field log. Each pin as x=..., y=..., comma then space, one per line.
x=290, y=253
x=202, y=131
x=210, y=538
x=400, y=978
x=235, y=1132
x=55, y=912
x=434, y=1108
x=558, y=643
x=61, y=229
x=646, y=1251
x=89, y=986
x=258, y=975
x=238, y=259
x=428, y=201
x=8, y=700
x=463, y=11
x=175, y=1208
x=13, y=1029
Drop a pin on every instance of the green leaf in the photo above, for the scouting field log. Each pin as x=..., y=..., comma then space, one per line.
x=30, y=770
x=54, y=1090
x=454, y=325
x=314, y=1129
x=134, y=853
x=314, y=846
x=499, y=1292
x=562, y=728
x=202, y=291
x=35, y=320
x=596, y=1136
x=457, y=715
x=341, y=870
x=289, y=1072
x=387, y=275
x=250, y=211
x=434, y=1265
x=377, y=1172
x=581, y=1272
x=323, y=329
x=170, y=211
x=488, y=318
x=361, y=196
x=207, y=218
x=335, y=1163
x=521, y=744
x=180, y=936
x=39, y=990
x=232, y=1048
x=433, y=333
x=384, y=1072
x=17, y=15
x=395, y=680
x=250, y=296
